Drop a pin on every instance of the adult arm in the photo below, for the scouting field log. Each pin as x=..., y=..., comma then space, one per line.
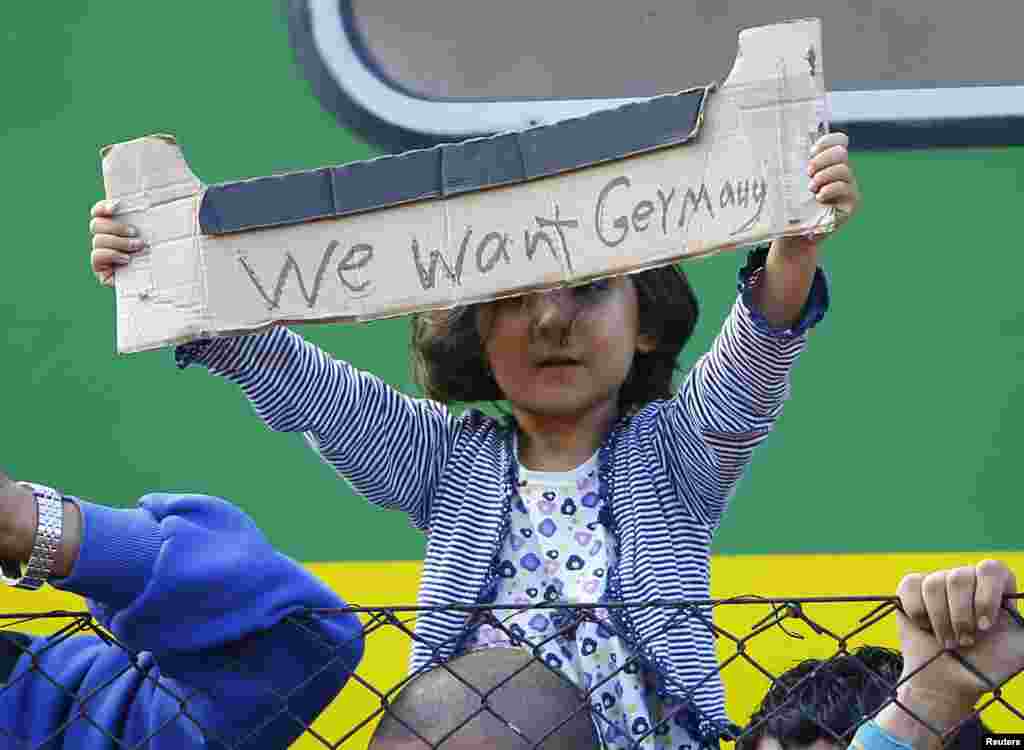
x=228, y=654
x=950, y=618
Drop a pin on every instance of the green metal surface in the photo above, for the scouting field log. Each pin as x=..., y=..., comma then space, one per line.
x=907, y=409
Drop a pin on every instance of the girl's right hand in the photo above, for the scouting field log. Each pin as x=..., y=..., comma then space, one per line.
x=113, y=243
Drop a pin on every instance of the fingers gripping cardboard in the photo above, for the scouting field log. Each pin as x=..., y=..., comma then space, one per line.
x=160, y=297
x=618, y=191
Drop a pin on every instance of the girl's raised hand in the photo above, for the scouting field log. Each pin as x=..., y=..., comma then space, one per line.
x=832, y=178
x=112, y=242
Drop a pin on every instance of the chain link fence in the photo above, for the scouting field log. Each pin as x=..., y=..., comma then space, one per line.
x=759, y=643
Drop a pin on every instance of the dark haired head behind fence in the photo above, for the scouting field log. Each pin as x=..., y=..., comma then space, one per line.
x=826, y=699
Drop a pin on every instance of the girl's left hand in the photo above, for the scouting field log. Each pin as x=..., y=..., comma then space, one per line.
x=832, y=180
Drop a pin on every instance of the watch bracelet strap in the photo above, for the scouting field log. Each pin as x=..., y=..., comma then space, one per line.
x=46, y=544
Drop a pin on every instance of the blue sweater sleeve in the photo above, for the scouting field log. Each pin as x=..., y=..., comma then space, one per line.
x=215, y=645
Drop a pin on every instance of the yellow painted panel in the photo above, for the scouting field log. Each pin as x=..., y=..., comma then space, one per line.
x=775, y=576
x=382, y=584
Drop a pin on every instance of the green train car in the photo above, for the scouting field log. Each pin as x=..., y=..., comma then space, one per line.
x=899, y=446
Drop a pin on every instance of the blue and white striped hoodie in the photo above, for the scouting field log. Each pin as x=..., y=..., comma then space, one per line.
x=667, y=474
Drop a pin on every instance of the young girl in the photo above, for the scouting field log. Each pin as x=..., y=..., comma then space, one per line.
x=603, y=487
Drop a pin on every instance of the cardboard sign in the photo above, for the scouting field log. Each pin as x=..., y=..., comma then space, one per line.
x=615, y=192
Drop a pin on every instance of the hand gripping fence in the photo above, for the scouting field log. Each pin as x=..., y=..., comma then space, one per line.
x=758, y=640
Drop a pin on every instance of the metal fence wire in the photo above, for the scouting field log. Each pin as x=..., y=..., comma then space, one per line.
x=777, y=652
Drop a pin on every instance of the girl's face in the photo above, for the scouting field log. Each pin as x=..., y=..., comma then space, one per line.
x=564, y=352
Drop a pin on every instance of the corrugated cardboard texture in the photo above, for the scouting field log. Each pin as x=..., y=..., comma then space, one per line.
x=452, y=169
x=615, y=192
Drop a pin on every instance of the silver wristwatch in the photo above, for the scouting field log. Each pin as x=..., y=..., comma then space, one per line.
x=49, y=532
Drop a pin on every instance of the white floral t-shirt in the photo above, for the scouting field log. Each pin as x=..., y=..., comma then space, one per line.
x=558, y=551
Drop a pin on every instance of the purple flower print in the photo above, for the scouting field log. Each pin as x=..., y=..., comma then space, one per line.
x=530, y=561
x=539, y=623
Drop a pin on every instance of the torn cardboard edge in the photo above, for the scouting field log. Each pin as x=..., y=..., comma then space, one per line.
x=614, y=192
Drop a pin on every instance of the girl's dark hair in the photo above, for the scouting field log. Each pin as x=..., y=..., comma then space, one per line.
x=450, y=364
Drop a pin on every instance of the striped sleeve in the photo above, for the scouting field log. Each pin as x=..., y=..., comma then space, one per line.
x=729, y=403
x=391, y=447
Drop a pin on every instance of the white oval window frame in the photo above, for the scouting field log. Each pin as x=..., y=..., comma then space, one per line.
x=348, y=83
